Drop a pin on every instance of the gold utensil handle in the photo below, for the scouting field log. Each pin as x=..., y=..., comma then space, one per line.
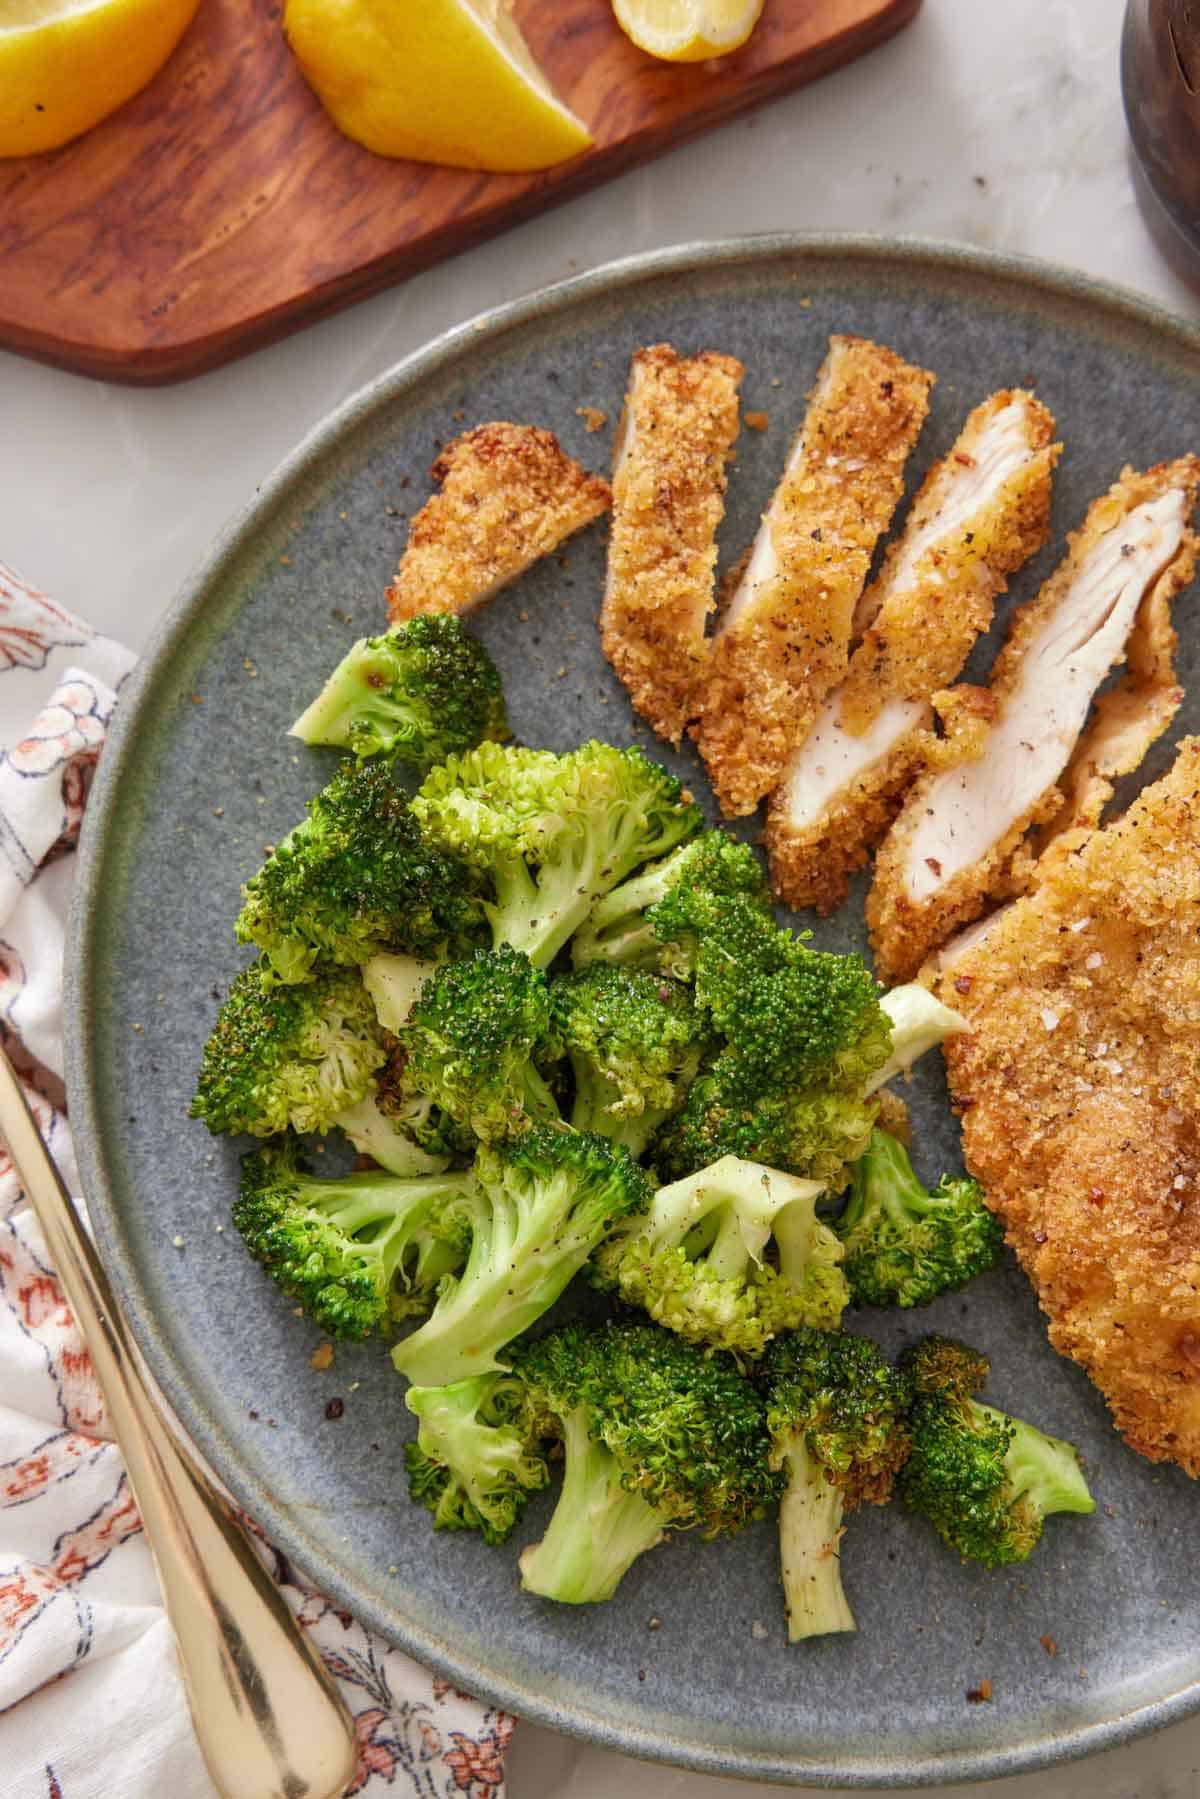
x=269, y=1720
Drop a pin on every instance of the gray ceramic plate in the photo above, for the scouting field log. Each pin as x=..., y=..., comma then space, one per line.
x=199, y=776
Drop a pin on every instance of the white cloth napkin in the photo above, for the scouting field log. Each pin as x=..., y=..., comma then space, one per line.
x=91, y=1705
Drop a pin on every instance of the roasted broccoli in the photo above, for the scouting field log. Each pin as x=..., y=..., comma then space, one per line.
x=551, y=833
x=474, y=1040
x=698, y=1260
x=624, y=926
x=635, y=1040
x=539, y=1206
x=837, y=1417
x=281, y=1056
x=905, y=1245
x=985, y=1481
x=814, y=1131
x=793, y=1017
x=420, y=693
x=658, y=1436
x=358, y=1252
x=474, y=1462
x=356, y=877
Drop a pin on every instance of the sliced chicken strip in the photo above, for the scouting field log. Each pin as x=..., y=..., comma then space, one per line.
x=838, y=796
x=509, y=495
x=785, y=637
x=1077, y=1084
x=957, y=840
x=1129, y=718
x=980, y=513
x=673, y=442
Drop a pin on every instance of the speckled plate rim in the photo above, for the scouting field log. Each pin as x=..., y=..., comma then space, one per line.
x=1069, y=292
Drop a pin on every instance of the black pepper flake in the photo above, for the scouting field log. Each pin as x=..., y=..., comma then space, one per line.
x=335, y=1407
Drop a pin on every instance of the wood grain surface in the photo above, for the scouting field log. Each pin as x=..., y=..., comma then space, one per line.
x=221, y=209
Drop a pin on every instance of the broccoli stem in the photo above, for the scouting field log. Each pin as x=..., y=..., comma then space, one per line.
x=539, y=919
x=394, y=984
x=598, y=1530
x=810, y=1530
x=885, y=1176
x=616, y=928
x=1042, y=1470
x=919, y=1023
x=375, y=1135
x=539, y=1103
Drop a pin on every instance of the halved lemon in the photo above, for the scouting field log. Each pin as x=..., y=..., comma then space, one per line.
x=448, y=81
x=66, y=64
x=687, y=30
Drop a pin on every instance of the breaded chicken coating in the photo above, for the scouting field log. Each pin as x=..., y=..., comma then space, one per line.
x=509, y=494
x=676, y=431
x=1077, y=1085
x=981, y=511
x=959, y=838
x=784, y=639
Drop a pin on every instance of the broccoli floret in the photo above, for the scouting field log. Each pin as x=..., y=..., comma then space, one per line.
x=792, y=1016
x=474, y=1462
x=358, y=1252
x=815, y=1131
x=552, y=833
x=837, y=1417
x=357, y=877
x=658, y=1436
x=919, y=1023
x=474, y=1039
x=985, y=1481
x=420, y=693
x=635, y=1040
x=540, y=1205
x=905, y=1245
x=281, y=1056
x=634, y=926
x=698, y=1260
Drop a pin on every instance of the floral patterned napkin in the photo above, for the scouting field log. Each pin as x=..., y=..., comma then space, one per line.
x=91, y=1705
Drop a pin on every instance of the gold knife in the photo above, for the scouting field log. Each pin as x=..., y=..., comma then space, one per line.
x=268, y=1718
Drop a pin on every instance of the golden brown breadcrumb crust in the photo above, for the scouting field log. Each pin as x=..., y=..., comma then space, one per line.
x=904, y=931
x=1077, y=1086
x=811, y=864
x=509, y=494
x=673, y=442
x=916, y=640
x=919, y=637
x=774, y=663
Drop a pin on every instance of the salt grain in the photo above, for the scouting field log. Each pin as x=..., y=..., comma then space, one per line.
x=1049, y=1018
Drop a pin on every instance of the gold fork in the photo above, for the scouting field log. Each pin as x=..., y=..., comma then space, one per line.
x=269, y=1720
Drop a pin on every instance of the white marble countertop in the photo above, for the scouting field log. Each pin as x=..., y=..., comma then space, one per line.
x=997, y=124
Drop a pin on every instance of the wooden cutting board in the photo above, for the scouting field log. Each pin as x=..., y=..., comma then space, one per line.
x=220, y=209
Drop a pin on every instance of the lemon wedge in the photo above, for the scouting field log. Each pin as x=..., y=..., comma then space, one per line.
x=687, y=30
x=448, y=81
x=66, y=64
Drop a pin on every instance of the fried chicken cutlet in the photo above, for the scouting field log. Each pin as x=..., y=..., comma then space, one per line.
x=509, y=494
x=980, y=512
x=1077, y=1085
x=959, y=840
x=784, y=638
x=677, y=428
